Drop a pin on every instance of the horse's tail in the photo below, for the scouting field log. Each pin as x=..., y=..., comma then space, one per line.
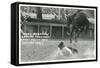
x=86, y=26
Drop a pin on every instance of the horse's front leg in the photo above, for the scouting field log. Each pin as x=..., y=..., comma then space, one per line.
x=76, y=36
x=71, y=36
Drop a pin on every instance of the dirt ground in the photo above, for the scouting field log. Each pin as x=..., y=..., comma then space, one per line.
x=41, y=50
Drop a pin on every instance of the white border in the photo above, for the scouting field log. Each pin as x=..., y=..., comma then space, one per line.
x=20, y=62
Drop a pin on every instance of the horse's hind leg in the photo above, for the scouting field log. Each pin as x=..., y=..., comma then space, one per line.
x=70, y=40
x=76, y=36
x=75, y=39
x=70, y=37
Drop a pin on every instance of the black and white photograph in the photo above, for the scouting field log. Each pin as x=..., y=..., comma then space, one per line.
x=49, y=34
x=56, y=33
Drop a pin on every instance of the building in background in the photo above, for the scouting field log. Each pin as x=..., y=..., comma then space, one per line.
x=52, y=21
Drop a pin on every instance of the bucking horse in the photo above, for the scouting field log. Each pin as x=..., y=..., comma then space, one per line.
x=77, y=23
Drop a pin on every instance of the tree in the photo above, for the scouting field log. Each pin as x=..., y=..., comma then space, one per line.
x=39, y=13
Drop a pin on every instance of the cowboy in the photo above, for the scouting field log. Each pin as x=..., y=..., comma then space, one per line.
x=66, y=51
